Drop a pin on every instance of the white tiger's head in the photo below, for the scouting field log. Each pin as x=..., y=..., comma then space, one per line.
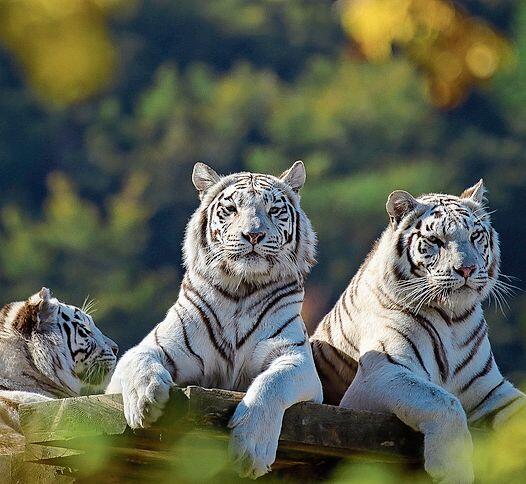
x=447, y=251
x=249, y=227
x=66, y=345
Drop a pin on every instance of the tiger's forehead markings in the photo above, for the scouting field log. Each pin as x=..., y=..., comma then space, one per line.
x=249, y=187
x=74, y=314
x=448, y=214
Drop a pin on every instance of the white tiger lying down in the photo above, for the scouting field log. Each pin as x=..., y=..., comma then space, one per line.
x=236, y=324
x=412, y=319
x=47, y=350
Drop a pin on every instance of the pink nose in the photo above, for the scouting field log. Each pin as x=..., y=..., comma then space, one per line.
x=254, y=237
x=466, y=271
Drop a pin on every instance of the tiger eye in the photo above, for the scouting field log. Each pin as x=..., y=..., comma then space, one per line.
x=435, y=240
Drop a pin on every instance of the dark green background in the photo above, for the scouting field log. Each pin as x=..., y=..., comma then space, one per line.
x=94, y=198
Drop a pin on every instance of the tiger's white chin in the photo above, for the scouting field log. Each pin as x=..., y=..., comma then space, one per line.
x=250, y=264
x=462, y=297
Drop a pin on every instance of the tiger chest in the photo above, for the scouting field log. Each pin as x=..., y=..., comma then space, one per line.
x=233, y=367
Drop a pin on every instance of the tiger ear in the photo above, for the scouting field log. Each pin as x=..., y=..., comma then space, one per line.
x=204, y=177
x=476, y=193
x=43, y=306
x=399, y=204
x=38, y=309
x=295, y=176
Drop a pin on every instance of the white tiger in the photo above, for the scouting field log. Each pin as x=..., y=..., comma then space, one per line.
x=412, y=319
x=236, y=324
x=47, y=350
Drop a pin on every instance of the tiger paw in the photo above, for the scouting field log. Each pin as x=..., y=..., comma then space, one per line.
x=254, y=439
x=452, y=474
x=448, y=458
x=145, y=394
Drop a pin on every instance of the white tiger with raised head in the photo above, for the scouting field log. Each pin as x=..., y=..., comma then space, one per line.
x=409, y=331
x=236, y=324
x=48, y=349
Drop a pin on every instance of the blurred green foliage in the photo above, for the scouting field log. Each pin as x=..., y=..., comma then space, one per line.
x=195, y=456
x=95, y=186
x=107, y=104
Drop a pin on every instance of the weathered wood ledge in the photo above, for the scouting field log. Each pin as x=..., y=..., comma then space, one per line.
x=310, y=432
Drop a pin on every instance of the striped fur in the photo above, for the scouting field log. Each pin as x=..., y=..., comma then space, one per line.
x=236, y=324
x=47, y=350
x=408, y=335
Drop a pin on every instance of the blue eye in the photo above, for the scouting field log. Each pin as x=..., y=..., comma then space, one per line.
x=274, y=210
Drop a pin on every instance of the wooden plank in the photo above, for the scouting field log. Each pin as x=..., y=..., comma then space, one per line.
x=308, y=428
x=72, y=417
x=318, y=429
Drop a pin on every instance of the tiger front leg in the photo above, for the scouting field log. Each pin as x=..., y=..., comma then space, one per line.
x=382, y=386
x=142, y=378
x=256, y=423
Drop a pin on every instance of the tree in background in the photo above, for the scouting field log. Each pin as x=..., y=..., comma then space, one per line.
x=95, y=184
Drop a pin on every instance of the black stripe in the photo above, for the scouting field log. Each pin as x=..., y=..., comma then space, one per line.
x=436, y=340
x=464, y=316
x=187, y=341
x=267, y=308
x=481, y=327
x=90, y=350
x=298, y=232
x=342, y=329
x=457, y=319
x=488, y=395
x=166, y=355
x=472, y=352
x=203, y=225
x=208, y=325
x=444, y=316
x=413, y=268
x=391, y=359
x=413, y=347
x=283, y=326
x=328, y=362
x=287, y=304
x=400, y=244
x=56, y=361
x=225, y=293
x=328, y=328
x=279, y=351
x=271, y=294
x=67, y=330
x=187, y=285
x=496, y=411
x=484, y=371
